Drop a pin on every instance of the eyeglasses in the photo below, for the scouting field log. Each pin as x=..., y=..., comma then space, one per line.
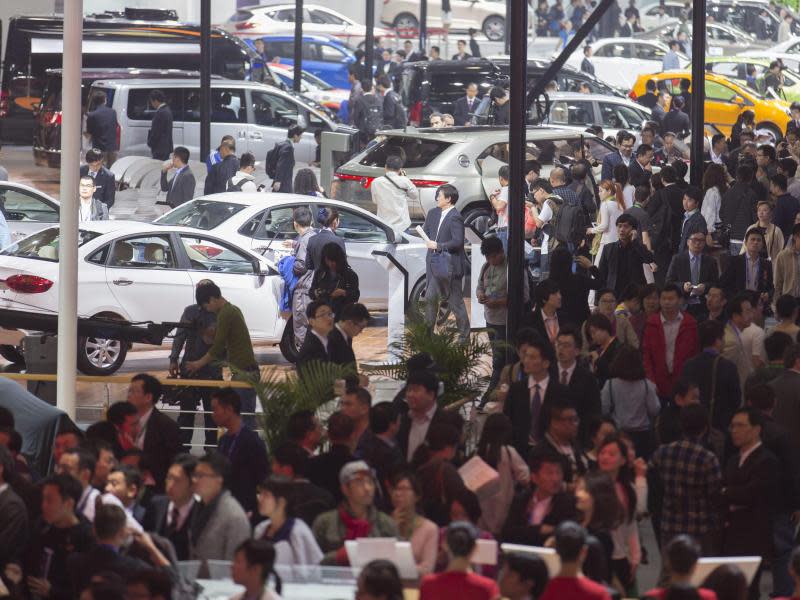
x=324, y=315
x=697, y=240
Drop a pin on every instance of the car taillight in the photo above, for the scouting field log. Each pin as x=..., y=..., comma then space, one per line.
x=4, y=103
x=245, y=25
x=28, y=284
x=427, y=183
x=632, y=95
x=209, y=251
x=55, y=117
x=365, y=181
x=415, y=113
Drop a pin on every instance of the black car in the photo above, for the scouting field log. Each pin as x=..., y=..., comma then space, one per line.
x=568, y=78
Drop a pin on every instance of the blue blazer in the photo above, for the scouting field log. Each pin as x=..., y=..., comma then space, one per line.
x=450, y=237
x=609, y=162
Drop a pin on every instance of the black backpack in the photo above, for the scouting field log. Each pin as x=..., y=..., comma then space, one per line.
x=372, y=120
x=236, y=187
x=271, y=163
x=400, y=116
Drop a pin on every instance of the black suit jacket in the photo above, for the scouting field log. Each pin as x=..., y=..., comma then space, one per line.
x=315, y=245
x=461, y=109
x=101, y=124
x=450, y=238
x=159, y=138
x=734, y=277
x=82, y=566
x=156, y=521
x=284, y=170
x=13, y=526
x=584, y=394
x=637, y=174
x=750, y=494
x=161, y=444
x=340, y=348
x=312, y=350
x=217, y=179
x=518, y=408
x=587, y=66
x=180, y=188
x=104, y=183
x=323, y=469
x=727, y=392
x=680, y=271
x=405, y=429
x=518, y=528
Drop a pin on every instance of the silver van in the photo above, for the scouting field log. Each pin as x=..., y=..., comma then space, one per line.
x=256, y=115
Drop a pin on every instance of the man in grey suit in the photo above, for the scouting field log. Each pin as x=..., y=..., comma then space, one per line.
x=444, y=262
x=787, y=394
x=181, y=187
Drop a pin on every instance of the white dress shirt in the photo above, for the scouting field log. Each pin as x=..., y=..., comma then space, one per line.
x=442, y=218
x=418, y=431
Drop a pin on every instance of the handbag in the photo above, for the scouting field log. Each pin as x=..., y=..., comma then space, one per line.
x=440, y=262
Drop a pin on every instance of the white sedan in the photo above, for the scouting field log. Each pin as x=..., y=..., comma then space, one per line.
x=278, y=17
x=620, y=61
x=263, y=223
x=139, y=272
x=27, y=210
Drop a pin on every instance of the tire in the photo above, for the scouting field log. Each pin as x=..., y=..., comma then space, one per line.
x=479, y=217
x=287, y=344
x=406, y=24
x=98, y=356
x=494, y=28
x=773, y=128
x=12, y=354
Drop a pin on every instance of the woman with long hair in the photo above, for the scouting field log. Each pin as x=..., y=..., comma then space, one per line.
x=746, y=120
x=495, y=448
x=622, y=177
x=600, y=512
x=715, y=184
x=423, y=533
x=253, y=565
x=575, y=287
x=305, y=184
x=294, y=543
x=598, y=429
x=631, y=399
x=612, y=459
x=334, y=281
x=612, y=205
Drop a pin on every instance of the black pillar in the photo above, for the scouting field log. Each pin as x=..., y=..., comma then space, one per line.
x=507, y=37
x=369, y=39
x=423, y=26
x=205, y=79
x=698, y=90
x=517, y=17
x=298, y=45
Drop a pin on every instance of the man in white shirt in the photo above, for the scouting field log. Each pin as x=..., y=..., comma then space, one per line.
x=392, y=193
x=80, y=464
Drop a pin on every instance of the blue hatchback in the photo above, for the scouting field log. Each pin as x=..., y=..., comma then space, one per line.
x=327, y=58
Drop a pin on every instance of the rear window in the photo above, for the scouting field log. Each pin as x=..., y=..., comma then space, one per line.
x=44, y=244
x=415, y=152
x=201, y=214
x=241, y=15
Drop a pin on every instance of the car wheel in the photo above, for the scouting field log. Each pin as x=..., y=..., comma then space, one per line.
x=99, y=356
x=12, y=354
x=287, y=344
x=770, y=127
x=406, y=25
x=479, y=218
x=494, y=28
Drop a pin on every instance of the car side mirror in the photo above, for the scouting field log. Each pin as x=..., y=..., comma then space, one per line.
x=738, y=100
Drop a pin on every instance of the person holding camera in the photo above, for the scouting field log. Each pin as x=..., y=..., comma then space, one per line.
x=194, y=338
x=392, y=193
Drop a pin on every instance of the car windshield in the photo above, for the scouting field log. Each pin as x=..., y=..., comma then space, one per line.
x=201, y=214
x=415, y=152
x=44, y=244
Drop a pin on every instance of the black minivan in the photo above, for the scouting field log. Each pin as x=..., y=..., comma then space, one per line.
x=110, y=41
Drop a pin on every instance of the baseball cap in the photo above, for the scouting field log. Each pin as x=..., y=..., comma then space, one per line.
x=353, y=469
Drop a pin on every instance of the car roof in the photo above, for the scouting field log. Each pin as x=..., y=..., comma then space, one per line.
x=268, y=200
x=27, y=188
x=466, y=133
x=132, y=73
x=603, y=97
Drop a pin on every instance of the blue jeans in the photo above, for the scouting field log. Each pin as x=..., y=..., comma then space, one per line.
x=502, y=234
x=248, y=398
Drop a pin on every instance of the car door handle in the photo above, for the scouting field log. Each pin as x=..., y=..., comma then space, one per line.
x=122, y=282
x=256, y=136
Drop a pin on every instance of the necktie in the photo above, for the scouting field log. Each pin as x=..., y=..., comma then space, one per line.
x=564, y=377
x=536, y=407
x=694, y=267
x=176, y=514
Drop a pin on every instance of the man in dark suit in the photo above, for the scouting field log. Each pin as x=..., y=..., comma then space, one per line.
x=462, y=53
x=650, y=97
x=316, y=345
x=104, y=180
x=421, y=391
x=291, y=461
x=323, y=469
x=623, y=155
x=181, y=187
x=561, y=438
x=529, y=524
x=586, y=64
x=718, y=151
x=444, y=262
x=622, y=260
x=353, y=319
x=159, y=137
x=217, y=179
x=380, y=448
x=158, y=436
x=693, y=222
x=101, y=125
x=749, y=493
x=639, y=170
x=694, y=272
x=529, y=398
x=169, y=515
x=787, y=393
x=749, y=271
x=466, y=105
x=584, y=390
x=546, y=318
x=284, y=165
x=13, y=514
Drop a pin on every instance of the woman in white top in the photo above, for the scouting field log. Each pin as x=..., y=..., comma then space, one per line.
x=773, y=236
x=294, y=543
x=412, y=527
x=496, y=450
x=253, y=564
x=612, y=458
x=612, y=205
x=715, y=184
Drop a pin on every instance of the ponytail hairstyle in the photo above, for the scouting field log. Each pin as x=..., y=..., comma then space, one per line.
x=621, y=176
x=261, y=553
x=327, y=216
